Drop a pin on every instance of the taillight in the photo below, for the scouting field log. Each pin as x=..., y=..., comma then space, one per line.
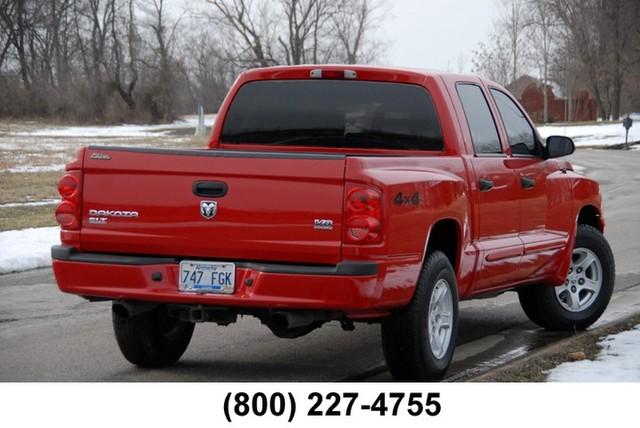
x=67, y=186
x=363, y=222
x=68, y=213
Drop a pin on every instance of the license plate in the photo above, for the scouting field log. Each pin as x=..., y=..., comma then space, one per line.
x=207, y=277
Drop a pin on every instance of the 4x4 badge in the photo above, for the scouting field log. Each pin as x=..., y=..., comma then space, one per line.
x=208, y=209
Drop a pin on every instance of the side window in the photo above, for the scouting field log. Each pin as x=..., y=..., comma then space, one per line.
x=483, y=129
x=522, y=139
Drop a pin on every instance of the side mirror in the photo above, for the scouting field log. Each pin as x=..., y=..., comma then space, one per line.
x=558, y=146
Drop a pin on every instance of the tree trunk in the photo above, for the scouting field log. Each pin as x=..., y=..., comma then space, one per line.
x=615, y=102
x=19, y=44
x=545, y=116
x=602, y=111
x=617, y=60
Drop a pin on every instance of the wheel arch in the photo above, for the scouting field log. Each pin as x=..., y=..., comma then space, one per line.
x=590, y=215
x=445, y=235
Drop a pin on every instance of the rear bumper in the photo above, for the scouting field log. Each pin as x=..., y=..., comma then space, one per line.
x=349, y=287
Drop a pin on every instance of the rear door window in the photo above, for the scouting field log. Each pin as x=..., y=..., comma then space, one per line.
x=481, y=124
x=333, y=113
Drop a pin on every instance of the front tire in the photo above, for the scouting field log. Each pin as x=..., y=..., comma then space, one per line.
x=418, y=341
x=584, y=296
x=151, y=339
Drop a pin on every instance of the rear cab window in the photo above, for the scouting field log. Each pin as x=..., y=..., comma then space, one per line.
x=333, y=113
x=482, y=127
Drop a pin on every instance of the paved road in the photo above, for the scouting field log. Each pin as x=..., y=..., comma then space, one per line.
x=47, y=335
x=618, y=172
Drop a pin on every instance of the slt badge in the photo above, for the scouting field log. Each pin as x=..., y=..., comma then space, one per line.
x=208, y=209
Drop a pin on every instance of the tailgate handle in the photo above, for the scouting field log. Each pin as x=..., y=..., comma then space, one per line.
x=215, y=189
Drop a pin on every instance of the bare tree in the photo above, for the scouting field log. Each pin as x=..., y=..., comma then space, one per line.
x=5, y=36
x=506, y=55
x=513, y=24
x=251, y=28
x=621, y=17
x=16, y=23
x=542, y=25
x=122, y=64
x=265, y=33
x=353, y=23
x=161, y=44
x=493, y=61
x=92, y=18
x=300, y=16
x=322, y=47
x=115, y=60
x=582, y=19
x=209, y=69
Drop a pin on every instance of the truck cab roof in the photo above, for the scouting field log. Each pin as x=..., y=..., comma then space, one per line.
x=364, y=72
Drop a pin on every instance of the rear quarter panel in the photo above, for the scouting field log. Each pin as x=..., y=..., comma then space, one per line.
x=443, y=194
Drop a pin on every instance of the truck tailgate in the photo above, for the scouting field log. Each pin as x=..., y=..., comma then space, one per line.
x=277, y=206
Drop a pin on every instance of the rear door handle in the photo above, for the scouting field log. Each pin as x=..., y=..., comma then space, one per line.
x=527, y=182
x=210, y=189
x=486, y=184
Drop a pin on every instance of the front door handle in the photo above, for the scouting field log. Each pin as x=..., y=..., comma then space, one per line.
x=527, y=182
x=486, y=184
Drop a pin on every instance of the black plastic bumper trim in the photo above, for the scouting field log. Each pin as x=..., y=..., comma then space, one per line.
x=66, y=253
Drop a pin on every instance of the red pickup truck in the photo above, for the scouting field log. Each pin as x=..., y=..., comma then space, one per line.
x=337, y=193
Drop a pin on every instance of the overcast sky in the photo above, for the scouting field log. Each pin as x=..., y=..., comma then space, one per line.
x=434, y=34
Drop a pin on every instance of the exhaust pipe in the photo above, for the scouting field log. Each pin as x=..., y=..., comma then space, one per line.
x=292, y=324
x=289, y=320
x=126, y=309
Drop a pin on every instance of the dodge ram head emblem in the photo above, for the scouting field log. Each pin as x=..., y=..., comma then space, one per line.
x=208, y=209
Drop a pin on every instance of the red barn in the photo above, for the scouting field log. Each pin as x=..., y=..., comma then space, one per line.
x=528, y=91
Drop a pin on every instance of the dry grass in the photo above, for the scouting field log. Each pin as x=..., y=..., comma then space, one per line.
x=24, y=217
x=28, y=186
x=24, y=187
x=20, y=153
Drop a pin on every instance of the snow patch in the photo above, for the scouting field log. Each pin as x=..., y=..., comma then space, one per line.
x=34, y=168
x=592, y=135
x=96, y=131
x=30, y=203
x=578, y=168
x=130, y=131
x=617, y=362
x=27, y=248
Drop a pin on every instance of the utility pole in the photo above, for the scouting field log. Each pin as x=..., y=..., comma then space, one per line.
x=627, y=123
x=201, y=131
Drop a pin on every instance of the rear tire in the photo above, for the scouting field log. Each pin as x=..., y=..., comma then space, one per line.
x=418, y=341
x=586, y=293
x=152, y=338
